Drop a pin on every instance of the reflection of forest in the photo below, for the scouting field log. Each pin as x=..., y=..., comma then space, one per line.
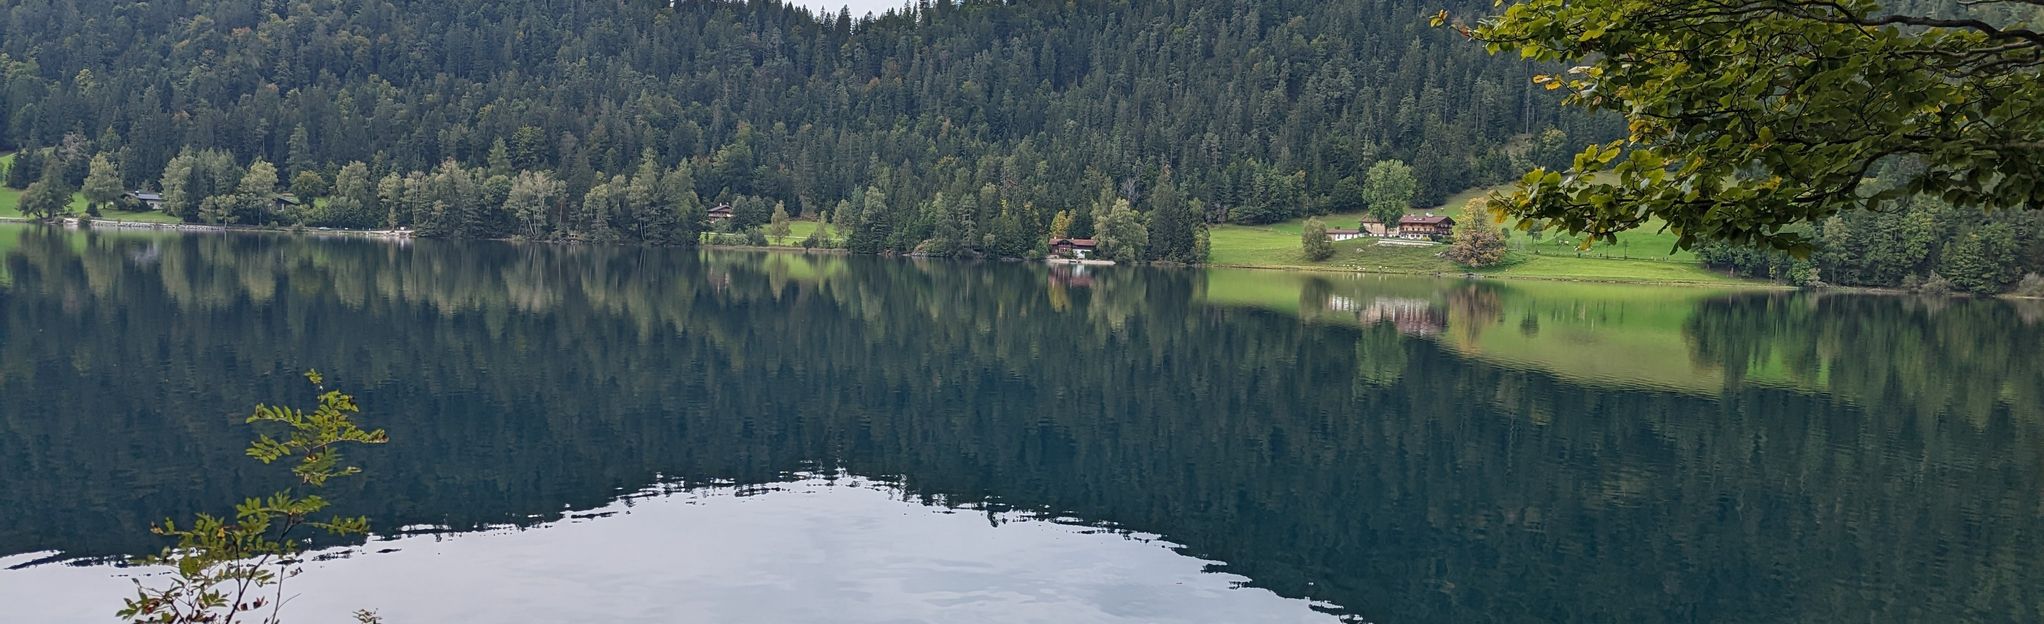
x=1963, y=356
x=1399, y=477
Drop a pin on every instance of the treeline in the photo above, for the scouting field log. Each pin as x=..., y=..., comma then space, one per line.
x=1922, y=245
x=1260, y=110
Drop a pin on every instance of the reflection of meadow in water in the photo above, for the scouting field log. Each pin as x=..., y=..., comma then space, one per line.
x=1409, y=449
x=1705, y=340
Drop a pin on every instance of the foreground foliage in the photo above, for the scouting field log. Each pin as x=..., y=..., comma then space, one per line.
x=1747, y=118
x=233, y=569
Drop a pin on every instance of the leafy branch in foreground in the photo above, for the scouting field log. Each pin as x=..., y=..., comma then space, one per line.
x=232, y=569
x=1747, y=117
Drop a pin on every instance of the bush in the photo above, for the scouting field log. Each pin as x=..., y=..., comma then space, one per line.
x=2031, y=286
x=1314, y=242
x=1806, y=275
x=1935, y=285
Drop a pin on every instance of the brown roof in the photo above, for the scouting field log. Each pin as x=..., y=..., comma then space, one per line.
x=1414, y=220
x=1075, y=242
x=1341, y=231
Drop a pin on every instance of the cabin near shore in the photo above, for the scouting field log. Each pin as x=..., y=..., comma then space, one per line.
x=1412, y=227
x=1076, y=248
x=142, y=200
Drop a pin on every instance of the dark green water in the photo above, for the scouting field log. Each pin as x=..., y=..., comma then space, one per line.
x=1400, y=450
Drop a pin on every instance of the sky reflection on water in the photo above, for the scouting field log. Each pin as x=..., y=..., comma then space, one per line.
x=810, y=550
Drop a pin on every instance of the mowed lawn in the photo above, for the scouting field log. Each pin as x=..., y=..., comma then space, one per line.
x=10, y=204
x=1641, y=255
x=1649, y=241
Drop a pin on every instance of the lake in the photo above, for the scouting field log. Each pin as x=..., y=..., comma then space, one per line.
x=647, y=435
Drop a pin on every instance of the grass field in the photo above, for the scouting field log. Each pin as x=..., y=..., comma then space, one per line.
x=10, y=204
x=1640, y=256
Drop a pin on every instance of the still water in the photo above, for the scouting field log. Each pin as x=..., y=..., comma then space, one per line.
x=592, y=434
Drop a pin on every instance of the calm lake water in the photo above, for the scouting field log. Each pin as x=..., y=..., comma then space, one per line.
x=633, y=435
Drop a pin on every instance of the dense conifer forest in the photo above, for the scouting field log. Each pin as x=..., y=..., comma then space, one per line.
x=959, y=128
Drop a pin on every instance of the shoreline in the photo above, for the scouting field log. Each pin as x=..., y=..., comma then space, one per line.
x=72, y=223
x=406, y=235
x=1740, y=284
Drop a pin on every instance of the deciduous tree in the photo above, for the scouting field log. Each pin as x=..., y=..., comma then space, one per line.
x=45, y=198
x=1120, y=234
x=102, y=184
x=777, y=224
x=1478, y=243
x=1314, y=242
x=1746, y=117
x=1388, y=188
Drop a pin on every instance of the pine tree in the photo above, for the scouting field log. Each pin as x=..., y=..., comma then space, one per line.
x=26, y=168
x=500, y=158
x=949, y=237
x=1983, y=261
x=299, y=158
x=1171, y=223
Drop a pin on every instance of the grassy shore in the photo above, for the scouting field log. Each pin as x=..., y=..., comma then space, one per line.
x=1641, y=256
x=1645, y=255
x=10, y=204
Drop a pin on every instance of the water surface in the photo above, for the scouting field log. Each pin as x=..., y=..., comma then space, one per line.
x=1118, y=444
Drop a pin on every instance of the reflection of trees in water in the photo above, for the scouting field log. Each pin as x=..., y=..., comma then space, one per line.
x=1474, y=306
x=1356, y=466
x=1975, y=359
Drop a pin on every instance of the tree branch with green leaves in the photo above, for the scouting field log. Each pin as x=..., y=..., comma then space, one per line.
x=1748, y=118
x=233, y=569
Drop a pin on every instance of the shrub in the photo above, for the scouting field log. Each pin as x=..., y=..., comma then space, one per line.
x=2031, y=286
x=1935, y=285
x=1314, y=242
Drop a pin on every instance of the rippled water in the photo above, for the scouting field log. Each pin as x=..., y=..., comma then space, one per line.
x=1029, y=443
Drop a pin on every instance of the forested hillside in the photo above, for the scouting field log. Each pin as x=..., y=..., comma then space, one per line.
x=954, y=127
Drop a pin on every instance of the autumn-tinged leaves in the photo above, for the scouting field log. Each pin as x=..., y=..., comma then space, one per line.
x=230, y=570
x=1750, y=119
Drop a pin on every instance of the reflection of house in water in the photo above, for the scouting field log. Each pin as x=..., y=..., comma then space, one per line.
x=1414, y=317
x=1071, y=275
